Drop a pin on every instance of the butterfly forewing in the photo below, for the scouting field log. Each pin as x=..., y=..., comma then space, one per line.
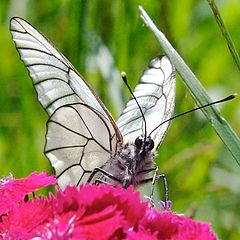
x=155, y=94
x=56, y=81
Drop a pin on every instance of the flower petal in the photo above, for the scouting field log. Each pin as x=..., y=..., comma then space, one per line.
x=14, y=190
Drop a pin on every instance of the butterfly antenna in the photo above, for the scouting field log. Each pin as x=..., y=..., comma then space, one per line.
x=124, y=77
x=230, y=97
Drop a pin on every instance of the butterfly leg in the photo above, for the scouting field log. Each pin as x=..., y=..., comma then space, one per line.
x=105, y=173
x=147, y=171
x=166, y=203
x=99, y=181
x=147, y=180
x=153, y=179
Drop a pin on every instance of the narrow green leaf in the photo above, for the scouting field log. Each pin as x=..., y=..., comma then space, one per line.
x=225, y=33
x=199, y=94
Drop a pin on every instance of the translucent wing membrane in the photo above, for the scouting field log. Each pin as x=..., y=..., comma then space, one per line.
x=56, y=81
x=78, y=140
x=156, y=95
x=81, y=133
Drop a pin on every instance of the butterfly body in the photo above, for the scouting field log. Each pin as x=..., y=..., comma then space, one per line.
x=128, y=166
x=83, y=142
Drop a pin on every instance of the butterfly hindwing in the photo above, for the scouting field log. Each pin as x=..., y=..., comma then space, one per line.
x=78, y=140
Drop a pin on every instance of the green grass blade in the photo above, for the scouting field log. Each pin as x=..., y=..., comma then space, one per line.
x=199, y=94
x=225, y=32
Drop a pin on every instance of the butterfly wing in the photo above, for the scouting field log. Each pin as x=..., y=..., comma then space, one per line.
x=78, y=139
x=56, y=81
x=155, y=94
x=81, y=133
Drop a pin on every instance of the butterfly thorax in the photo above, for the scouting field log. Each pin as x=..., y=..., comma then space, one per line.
x=128, y=165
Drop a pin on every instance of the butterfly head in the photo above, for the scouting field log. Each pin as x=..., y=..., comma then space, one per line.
x=144, y=145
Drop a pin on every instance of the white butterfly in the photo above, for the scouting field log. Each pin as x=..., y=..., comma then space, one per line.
x=83, y=142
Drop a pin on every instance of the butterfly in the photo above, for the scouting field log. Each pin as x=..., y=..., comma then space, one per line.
x=83, y=142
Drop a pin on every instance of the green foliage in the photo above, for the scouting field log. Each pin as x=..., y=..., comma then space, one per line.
x=102, y=38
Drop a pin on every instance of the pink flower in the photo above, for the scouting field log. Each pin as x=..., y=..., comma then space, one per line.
x=168, y=225
x=13, y=191
x=97, y=212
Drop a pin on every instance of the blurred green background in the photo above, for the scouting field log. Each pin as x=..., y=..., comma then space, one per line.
x=102, y=38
